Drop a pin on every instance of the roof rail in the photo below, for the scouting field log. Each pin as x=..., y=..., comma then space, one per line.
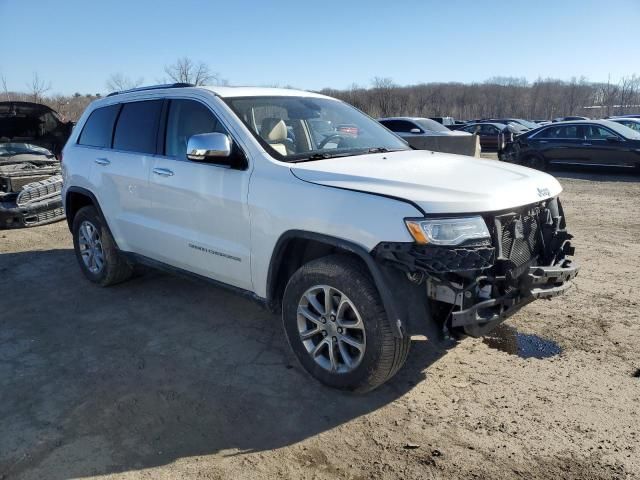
x=152, y=87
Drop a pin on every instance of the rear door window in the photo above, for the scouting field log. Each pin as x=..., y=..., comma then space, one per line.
x=98, y=129
x=137, y=127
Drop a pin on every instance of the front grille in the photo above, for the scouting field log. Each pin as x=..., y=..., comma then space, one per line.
x=520, y=236
x=44, y=217
x=37, y=191
x=18, y=182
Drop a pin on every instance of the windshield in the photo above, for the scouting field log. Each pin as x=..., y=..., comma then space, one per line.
x=623, y=130
x=308, y=128
x=432, y=125
x=11, y=149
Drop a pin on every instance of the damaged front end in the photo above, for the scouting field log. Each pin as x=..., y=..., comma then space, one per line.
x=473, y=286
x=30, y=186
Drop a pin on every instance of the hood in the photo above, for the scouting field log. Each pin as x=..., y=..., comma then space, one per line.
x=437, y=182
x=33, y=123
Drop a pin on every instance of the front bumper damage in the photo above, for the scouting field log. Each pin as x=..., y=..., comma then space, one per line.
x=37, y=203
x=472, y=288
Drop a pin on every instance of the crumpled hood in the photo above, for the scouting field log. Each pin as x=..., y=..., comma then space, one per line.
x=437, y=182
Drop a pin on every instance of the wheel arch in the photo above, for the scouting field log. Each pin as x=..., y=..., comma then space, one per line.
x=294, y=248
x=77, y=198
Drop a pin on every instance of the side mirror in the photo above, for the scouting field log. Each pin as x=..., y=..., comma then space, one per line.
x=612, y=139
x=209, y=147
x=415, y=130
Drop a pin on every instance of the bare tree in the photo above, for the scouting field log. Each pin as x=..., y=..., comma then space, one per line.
x=4, y=87
x=118, y=82
x=38, y=88
x=185, y=70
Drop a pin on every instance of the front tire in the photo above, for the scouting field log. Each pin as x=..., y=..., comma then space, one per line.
x=537, y=162
x=96, y=251
x=337, y=327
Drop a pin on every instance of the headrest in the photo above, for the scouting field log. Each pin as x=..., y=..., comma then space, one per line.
x=273, y=129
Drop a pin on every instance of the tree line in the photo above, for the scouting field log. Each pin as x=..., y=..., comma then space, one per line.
x=496, y=97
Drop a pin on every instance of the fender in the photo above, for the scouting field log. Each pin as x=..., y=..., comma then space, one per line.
x=380, y=279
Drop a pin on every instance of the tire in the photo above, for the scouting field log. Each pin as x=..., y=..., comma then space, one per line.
x=382, y=354
x=537, y=162
x=113, y=268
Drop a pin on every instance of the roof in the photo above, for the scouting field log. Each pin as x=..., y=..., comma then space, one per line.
x=222, y=91
x=226, y=92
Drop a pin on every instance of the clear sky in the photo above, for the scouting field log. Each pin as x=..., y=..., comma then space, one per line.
x=77, y=45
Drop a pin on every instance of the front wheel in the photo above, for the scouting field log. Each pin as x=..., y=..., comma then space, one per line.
x=337, y=327
x=537, y=162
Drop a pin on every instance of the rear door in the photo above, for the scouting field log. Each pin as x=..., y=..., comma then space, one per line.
x=199, y=210
x=559, y=143
x=120, y=174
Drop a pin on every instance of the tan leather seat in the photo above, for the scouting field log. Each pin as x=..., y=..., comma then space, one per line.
x=274, y=131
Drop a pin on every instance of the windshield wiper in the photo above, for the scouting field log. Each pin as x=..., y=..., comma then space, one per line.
x=322, y=156
x=378, y=150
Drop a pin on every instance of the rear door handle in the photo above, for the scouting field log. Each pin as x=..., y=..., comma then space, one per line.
x=102, y=161
x=165, y=172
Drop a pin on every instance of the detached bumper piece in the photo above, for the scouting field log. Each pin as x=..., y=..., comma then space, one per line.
x=37, y=203
x=539, y=282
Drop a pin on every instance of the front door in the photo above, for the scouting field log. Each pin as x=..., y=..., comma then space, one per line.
x=198, y=209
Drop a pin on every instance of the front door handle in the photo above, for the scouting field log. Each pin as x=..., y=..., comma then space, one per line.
x=587, y=144
x=102, y=161
x=165, y=172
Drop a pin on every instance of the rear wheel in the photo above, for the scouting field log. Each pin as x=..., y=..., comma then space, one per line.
x=337, y=327
x=96, y=252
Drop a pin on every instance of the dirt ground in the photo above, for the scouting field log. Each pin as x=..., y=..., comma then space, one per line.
x=164, y=377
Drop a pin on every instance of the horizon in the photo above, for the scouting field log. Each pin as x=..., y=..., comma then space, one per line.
x=316, y=47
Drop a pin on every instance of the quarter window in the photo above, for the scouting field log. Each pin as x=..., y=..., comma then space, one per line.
x=137, y=127
x=187, y=118
x=98, y=129
x=598, y=133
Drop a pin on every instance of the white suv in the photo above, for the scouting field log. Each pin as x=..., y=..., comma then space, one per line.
x=311, y=207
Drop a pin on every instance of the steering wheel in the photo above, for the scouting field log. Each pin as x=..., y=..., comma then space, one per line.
x=329, y=138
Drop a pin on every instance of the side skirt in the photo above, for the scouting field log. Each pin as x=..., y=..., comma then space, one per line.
x=149, y=262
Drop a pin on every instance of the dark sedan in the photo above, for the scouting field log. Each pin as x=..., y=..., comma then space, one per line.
x=593, y=142
x=493, y=136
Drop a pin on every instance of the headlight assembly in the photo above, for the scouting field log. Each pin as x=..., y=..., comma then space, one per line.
x=447, y=231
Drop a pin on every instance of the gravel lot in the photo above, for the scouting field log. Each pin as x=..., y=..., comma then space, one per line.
x=164, y=377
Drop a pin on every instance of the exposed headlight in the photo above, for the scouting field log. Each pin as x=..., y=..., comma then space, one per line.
x=447, y=231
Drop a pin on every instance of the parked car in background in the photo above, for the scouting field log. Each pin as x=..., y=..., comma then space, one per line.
x=570, y=118
x=427, y=134
x=591, y=142
x=408, y=127
x=493, y=136
x=31, y=140
x=526, y=124
x=446, y=121
x=631, y=122
x=35, y=124
x=542, y=122
x=625, y=116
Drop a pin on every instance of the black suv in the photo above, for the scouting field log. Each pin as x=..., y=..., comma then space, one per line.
x=591, y=142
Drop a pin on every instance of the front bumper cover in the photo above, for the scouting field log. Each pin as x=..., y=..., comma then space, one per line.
x=539, y=282
x=31, y=214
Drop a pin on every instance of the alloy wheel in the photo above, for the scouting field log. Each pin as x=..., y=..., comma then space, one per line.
x=90, y=245
x=331, y=329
